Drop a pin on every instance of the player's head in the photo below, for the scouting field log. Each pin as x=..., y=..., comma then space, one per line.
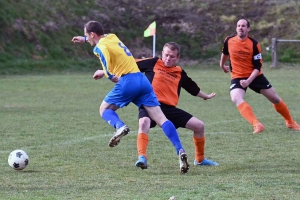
x=170, y=54
x=242, y=28
x=93, y=30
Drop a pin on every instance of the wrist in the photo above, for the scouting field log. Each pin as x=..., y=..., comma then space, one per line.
x=84, y=38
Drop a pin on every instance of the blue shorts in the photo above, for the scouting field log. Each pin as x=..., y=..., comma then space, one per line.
x=135, y=88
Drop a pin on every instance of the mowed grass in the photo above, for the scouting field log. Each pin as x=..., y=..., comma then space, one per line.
x=55, y=119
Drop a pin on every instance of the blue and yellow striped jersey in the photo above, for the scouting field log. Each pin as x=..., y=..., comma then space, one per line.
x=115, y=57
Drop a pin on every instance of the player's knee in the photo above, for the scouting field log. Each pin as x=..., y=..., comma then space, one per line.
x=236, y=100
x=195, y=125
x=275, y=99
x=101, y=110
x=233, y=99
x=144, y=124
x=199, y=129
x=200, y=126
x=104, y=106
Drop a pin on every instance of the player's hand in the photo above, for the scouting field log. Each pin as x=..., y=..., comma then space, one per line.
x=244, y=83
x=98, y=74
x=78, y=39
x=115, y=79
x=225, y=68
x=209, y=96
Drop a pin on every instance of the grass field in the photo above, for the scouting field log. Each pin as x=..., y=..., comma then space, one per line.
x=55, y=119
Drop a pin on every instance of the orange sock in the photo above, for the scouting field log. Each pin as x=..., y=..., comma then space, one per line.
x=246, y=111
x=282, y=109
x=199, y=148
x=142, y=144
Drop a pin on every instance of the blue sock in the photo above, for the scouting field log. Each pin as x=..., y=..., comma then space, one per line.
x=171, y=132
x=112, y=118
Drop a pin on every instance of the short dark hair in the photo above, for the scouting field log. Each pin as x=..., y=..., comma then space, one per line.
x=173, y=46
x=248, y=23
x=94, y=26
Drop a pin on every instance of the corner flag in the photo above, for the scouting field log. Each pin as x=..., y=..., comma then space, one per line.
x=151, y=30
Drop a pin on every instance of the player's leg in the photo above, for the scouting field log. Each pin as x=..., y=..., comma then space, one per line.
x=183, y=119
x=197, y=126
x=142, y=138
x=170, y=131
x=121, y=95
x=263, y=86
x=280, y=106
x=108, y=113
x=168, y=127
x=148, y=100
x=237, y=93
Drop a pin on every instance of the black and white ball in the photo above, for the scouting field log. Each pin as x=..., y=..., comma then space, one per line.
x=18, y=159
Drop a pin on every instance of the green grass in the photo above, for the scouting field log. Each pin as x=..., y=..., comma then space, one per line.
x=50, y=66
x=55, y=119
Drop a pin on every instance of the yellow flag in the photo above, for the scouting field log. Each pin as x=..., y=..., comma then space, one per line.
x=151, y=30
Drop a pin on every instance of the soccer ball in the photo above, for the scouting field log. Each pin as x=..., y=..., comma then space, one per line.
x=18, y=159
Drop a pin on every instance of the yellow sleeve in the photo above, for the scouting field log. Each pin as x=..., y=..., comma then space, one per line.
x=103, y=54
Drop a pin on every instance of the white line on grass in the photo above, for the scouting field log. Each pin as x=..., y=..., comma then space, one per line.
x=107, y=135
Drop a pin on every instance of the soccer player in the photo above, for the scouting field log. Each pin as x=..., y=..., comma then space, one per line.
x=246, y=71
x=131, y=86
x=167, y=80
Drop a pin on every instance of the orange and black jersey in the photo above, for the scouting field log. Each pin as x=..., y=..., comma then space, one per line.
x=167, y=81
x=245, y=56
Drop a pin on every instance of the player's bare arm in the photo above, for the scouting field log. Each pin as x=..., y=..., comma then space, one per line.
x=223, y=60
x=248, y=81
x=206, y=96
x=78, y=39
x=98, y=74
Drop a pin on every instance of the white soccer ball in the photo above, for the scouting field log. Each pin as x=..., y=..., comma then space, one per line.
x=18, y=159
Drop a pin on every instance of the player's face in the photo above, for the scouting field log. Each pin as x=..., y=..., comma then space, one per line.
x=89, y=37
x=242, y=29
x=169, y=57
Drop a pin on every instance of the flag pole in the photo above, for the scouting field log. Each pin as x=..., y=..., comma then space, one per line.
x=151, y=31
x=154, y=38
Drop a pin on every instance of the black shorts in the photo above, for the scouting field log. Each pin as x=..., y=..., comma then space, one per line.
x=177, y=116
x=260, y=82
